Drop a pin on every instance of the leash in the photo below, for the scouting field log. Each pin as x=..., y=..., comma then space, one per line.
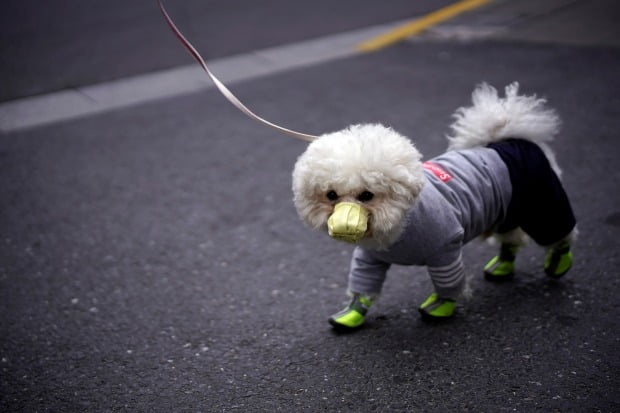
x=223, y=89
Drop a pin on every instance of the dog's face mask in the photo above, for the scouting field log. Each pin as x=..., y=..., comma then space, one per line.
x=348, y=222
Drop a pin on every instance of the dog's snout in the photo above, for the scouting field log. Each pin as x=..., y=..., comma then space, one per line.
x=348, y=222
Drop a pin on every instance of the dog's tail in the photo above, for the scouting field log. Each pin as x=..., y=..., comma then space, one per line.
x=492, y=118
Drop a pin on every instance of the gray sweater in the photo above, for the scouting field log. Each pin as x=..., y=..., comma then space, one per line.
x=466, y=193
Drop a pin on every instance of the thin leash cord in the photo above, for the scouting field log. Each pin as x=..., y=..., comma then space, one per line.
x=223, y=89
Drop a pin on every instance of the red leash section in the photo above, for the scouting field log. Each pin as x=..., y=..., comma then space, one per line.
x=223, y=89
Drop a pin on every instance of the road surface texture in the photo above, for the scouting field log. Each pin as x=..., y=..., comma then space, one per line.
x=151, y=258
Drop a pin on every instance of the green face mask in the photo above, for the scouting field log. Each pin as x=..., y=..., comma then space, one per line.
x=348, y=222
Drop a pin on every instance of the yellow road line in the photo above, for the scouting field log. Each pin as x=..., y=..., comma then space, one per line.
x=418, y=25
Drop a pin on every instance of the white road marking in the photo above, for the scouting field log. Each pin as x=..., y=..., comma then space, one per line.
x=69, y=104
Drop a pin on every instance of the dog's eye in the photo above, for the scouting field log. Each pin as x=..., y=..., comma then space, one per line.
x=365, y=196
x=332, y=195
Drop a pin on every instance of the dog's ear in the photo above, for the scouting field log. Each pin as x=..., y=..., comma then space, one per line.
x=224, y=90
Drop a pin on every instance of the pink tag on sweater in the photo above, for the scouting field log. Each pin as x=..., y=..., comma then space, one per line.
x=438, y=171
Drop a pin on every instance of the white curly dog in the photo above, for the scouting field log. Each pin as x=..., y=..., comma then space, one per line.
x=368, y=185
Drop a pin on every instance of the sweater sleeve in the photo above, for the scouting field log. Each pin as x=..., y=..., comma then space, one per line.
x=447, y=271
x=367, y=273
x=449, y=280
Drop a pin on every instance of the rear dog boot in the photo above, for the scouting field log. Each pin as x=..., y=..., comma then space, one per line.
x=437, y=308
x=502, y=266
x=353, y=315
x=559, y=260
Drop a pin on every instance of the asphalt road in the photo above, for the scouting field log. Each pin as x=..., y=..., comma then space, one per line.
x=68, y=43
x=151, y=258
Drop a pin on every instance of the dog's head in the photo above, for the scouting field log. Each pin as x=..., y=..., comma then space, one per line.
x=358, y=184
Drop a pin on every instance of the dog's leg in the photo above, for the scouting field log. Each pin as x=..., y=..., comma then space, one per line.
x=353, y=315
x=501, y=267
x=559, y=258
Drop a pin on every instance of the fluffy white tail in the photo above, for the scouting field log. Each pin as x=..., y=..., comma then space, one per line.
x=492, y=118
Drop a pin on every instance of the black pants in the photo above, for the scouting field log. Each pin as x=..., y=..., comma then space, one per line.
x=539, y=204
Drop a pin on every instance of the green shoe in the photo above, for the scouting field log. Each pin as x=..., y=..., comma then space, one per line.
x=558, y=260
x=502, y=267
x=437, y=308
x=353, y=315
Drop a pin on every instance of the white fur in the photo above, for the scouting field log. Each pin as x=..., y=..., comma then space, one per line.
x=515, y=237
x=360, y=158
x=492, y=118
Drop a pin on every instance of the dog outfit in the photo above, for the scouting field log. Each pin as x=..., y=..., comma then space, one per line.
x=501, y=187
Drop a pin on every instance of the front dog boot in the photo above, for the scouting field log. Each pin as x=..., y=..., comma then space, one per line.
x=352, y=316
x=437, y=308
x=502, y=266
x=559, y=260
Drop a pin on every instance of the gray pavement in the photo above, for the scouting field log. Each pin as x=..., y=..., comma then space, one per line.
x=49, y=46
x=151, y=258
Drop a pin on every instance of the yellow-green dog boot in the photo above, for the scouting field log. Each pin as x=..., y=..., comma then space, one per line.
x=437, y=308
x=502, y=266
x=559, y=260
x=352, y=316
